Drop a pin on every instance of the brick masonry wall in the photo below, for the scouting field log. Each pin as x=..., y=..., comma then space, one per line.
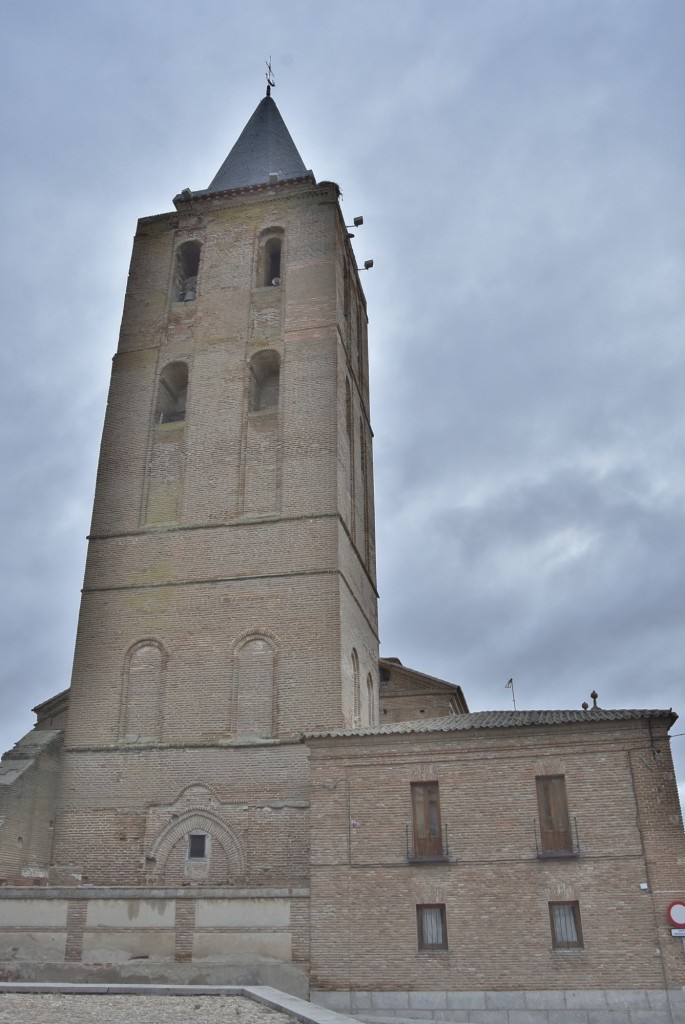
x=495, y=889
x=658, y=807
x=220, y=531
x=407, y=696
x=29, y=780
x=256, y=795
x=216, y=539
x=251, y=544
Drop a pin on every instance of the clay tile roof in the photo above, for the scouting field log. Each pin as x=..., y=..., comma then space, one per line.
x=502, y=720
x=264, y=147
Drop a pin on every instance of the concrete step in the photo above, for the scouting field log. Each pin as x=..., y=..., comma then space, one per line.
x=238, y=970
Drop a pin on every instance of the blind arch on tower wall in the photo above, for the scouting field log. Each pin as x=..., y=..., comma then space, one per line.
x=357, y=696
x=255, y=662
x=372, y=700
x=265, y=380
x=143, y=692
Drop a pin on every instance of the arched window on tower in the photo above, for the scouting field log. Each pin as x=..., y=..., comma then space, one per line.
x=172, y=393
x=265, y=379
x=186, y=271
x=272, y=262
x=270, y=258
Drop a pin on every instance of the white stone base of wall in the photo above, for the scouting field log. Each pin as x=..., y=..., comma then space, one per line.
x=603, y=1006
x=200, y=936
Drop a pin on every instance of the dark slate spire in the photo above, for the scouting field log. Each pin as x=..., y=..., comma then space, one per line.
x=264, y=148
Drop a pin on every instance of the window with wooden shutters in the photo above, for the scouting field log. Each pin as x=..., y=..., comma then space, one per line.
x=555, y=826
x=431, y=926
x=427, y=829
x=564, y=919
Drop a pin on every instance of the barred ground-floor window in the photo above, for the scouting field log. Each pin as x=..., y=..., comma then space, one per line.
x=566, y=928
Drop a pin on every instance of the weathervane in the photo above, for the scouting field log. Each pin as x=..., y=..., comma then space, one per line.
x=269, y=77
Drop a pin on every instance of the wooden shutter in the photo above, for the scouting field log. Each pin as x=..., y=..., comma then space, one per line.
x=555, y=827
x=425, y=799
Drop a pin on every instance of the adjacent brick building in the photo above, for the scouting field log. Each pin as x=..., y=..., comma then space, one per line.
x=235, y=787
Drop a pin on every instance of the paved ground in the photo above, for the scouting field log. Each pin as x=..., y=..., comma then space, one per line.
x=53, y=1008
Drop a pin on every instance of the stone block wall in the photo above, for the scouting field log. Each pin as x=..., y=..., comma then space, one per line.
x=537, y=1006
x=245, y=936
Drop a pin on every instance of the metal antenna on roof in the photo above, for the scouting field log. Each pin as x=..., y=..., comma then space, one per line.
x=510, y=686
x=270, y=84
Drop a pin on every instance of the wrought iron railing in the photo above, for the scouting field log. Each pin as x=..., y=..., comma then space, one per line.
x=556, y=844
x=424, y=849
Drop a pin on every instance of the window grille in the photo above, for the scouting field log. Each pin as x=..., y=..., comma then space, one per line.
x=565, y=922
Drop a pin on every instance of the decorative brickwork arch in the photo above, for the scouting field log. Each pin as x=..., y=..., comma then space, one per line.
x=198, y=819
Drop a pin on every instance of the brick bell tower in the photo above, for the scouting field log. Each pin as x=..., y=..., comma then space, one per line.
x=229, y=602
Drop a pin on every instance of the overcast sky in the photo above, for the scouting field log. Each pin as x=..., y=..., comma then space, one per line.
x=520, y=168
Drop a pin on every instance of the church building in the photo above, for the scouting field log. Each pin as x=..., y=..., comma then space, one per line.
x=235, y=788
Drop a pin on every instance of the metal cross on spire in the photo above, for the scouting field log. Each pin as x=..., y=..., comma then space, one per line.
x=269, y=77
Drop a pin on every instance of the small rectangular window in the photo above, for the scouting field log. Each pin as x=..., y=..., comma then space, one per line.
x=427, y=829
x=197, y=846
x=555, y=826
x=431, y=926
x=565, y=922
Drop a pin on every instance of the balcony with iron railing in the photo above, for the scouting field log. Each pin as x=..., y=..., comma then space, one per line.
x=558, y=842
x=427, y=849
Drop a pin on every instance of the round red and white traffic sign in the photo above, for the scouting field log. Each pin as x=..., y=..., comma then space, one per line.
x=676, y=913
